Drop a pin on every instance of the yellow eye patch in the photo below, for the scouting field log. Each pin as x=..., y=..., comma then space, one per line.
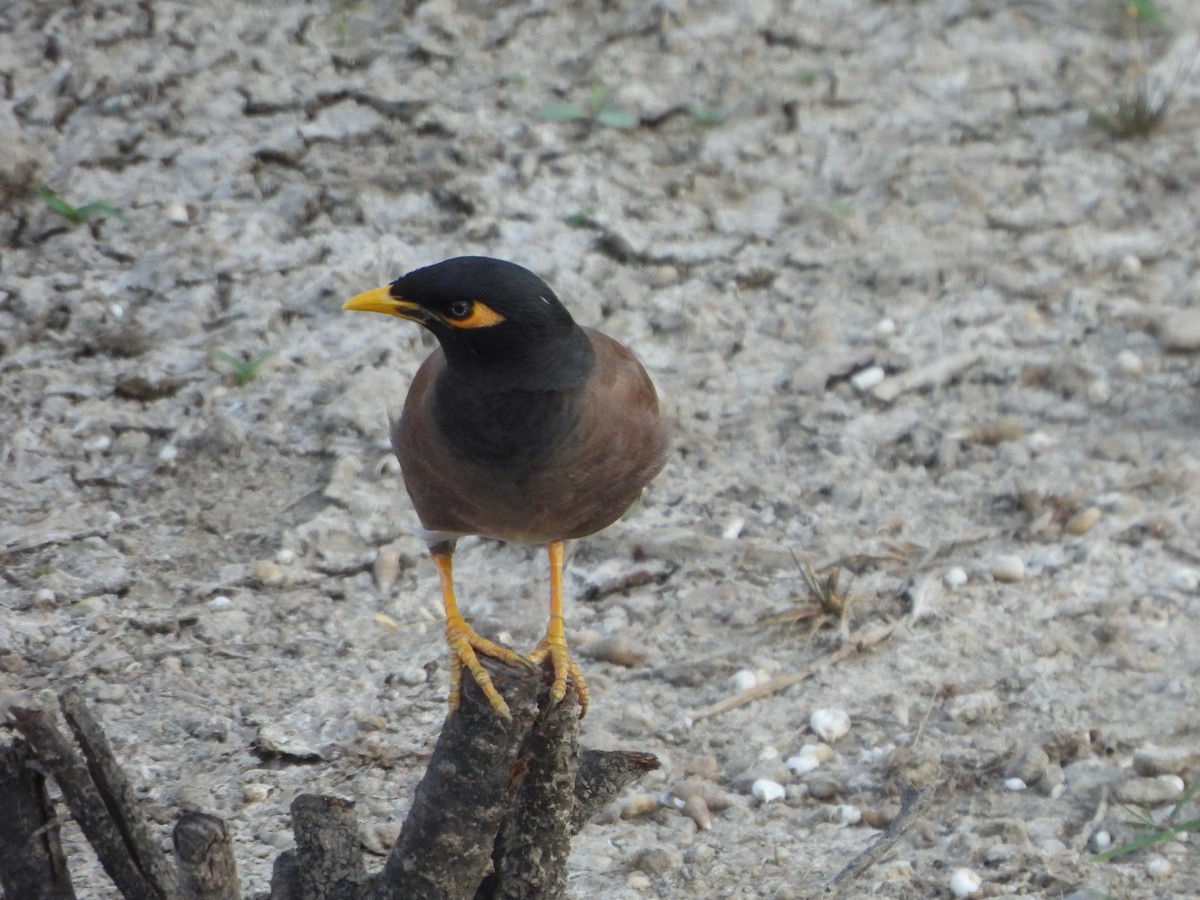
x=480, y=316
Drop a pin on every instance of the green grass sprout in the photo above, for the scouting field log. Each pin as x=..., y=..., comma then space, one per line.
x=597, y=110
x=77, y=215
x=1156, y=832
x=707, y=116
x=243, y=370
x=1144, y=11
x=582, y=217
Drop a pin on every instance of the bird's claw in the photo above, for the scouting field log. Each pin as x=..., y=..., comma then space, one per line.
x=564, y=667
x=465, y=645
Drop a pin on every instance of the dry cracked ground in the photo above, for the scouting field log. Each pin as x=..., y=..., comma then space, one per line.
x=917, y=317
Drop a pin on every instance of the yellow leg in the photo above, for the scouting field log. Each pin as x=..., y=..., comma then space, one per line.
x=465, y=642
x=554, y=644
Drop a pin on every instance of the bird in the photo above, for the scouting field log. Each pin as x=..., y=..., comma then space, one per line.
x=522, y=426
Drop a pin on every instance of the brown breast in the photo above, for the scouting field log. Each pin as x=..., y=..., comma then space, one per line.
x=619, y=442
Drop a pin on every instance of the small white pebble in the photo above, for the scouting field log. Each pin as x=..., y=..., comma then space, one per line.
x=267, y=573
x=734, y=529
x=1174, y=781
x=1039, y=442
x=847, y=814
x=803, y=763
x=44, y=596
x=1186, y=580
x=744, y=679
x=413, y=676
x=885, y=329
x=256, y=792
x=964, y=882
x=98, y=444
x=955, y=577
x=1129, y=363
x=1008, y=568
x=664, y=276
x=823, y=752
x=1014, y=784
x=386, y=570
x=177, y=213
x=117, y=310
x=669, y=801
x=768, y=754
x=1179, y=330
x=830, y=724
x=1057, y=791
x=767, y=791
x=1129, y=266
x=1099, y=392
x=1158, y=868
x=112, y=517
x=640, y=804
x=285, y=557
x=1083, y=521
x=1101, y=841
x=168, y=454
x=868, y=378
x=220, y=602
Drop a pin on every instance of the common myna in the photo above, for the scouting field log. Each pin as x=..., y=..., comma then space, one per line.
x=522, y=426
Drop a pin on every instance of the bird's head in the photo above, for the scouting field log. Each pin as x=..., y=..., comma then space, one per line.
x=480, y=309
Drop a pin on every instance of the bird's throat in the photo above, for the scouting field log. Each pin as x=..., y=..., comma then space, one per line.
x=512, y=419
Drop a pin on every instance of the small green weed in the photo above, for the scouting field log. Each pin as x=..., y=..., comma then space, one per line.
x=582, y=217
x=1152, y=832
x=707, y=116
x=77, y=215
x=1141, y=111
x=340, y=16
x=596, y=110
x=243, y=370
x=1143, y=108
x=1145, y=12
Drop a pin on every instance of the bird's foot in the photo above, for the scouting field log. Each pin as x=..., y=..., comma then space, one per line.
x=465, y=645
x=564, y=666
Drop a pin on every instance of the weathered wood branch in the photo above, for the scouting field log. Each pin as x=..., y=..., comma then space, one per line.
x=96, y=809
x=125, y=812
x=492, y=818
x=531, y=848
x=34, y=866
x=204, y=856
x=602, y=775
x=445, y=847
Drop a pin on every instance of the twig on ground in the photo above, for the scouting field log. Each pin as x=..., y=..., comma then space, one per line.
x=1085, y=835
x=858, y=643
x=914, y=805
x=935, y=374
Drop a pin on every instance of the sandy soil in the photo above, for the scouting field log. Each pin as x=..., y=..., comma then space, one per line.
x=915, y=316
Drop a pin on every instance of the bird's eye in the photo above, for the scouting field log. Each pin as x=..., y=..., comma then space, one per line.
x=460, y=309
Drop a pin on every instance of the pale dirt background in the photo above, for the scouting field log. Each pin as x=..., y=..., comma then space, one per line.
x=201, y=557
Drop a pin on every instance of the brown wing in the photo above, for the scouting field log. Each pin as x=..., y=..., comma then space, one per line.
x=622, y=441
x=619, y=443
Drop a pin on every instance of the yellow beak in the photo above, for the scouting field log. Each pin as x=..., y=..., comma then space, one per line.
x=380, y=300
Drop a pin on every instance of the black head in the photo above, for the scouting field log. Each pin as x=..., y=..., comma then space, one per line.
x=487, y=313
